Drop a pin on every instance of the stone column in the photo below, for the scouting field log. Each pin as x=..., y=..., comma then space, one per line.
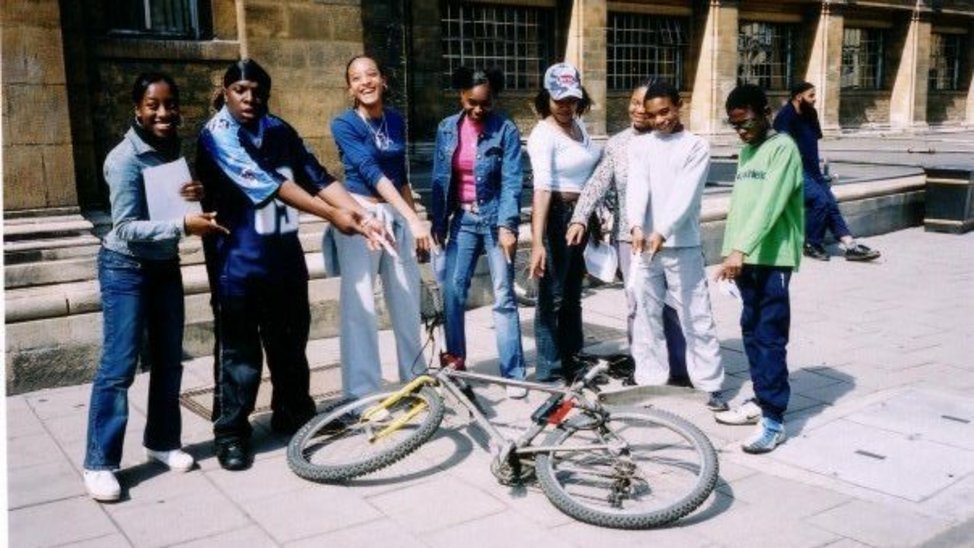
x=586, y=49
x=825, y=66
x=38, y=160
x=908, y=102
x=716, y=73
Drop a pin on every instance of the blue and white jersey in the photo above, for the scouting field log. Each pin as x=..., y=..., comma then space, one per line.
x=241, y=171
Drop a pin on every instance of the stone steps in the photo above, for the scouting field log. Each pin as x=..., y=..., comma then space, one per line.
x=53, y=330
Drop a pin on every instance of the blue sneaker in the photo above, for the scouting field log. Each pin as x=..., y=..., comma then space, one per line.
x=769, y=434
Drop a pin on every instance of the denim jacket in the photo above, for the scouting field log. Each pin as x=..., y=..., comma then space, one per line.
x=497, y=172
x=132, y=233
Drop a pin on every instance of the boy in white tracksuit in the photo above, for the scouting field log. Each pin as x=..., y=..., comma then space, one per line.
x=667, y=172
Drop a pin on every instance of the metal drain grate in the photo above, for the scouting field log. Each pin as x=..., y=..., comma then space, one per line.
x=325, y=385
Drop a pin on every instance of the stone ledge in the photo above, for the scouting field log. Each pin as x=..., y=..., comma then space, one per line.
x=170, y=50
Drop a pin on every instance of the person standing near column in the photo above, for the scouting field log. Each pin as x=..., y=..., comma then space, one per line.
x=799, y=119
x=563, y=158
x=762, y=247
x=477, y=180
x=141, y=292
x=371, y=140
x=663, y=211
x=608, y=183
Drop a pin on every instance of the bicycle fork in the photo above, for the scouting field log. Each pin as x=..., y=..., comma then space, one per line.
x=381, y=409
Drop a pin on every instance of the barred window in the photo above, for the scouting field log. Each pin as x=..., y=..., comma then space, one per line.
x=945, y=61
x=862, y=58
x=512, y=38
x=767, y=51
x=156, y=18
x=642, y=46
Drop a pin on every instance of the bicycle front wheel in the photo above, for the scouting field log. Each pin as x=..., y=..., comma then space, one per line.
x=657, y=468
x=350, y=440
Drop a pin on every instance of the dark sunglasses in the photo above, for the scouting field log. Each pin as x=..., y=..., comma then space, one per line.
x=746, y=125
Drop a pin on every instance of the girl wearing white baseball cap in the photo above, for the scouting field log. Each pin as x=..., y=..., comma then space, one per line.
x=562, y=159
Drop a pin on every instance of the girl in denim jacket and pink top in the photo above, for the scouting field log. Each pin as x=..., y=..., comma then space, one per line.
x=477, y=180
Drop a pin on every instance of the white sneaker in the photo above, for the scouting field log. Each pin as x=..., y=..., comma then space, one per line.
x=769, y=434
x=517, y=392
x=102, y=485
x=177, y=459
x=747, y=413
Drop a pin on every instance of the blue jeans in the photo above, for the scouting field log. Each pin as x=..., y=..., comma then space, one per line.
x=267, y=317
x=765, y=322
x=137, y=296
x=558, y=320
x=821, y=212
x=469, y=237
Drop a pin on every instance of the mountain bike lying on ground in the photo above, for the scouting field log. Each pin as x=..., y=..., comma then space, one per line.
x=628, y=468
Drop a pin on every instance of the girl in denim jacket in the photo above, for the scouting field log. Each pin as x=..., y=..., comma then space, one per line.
x=477, y=180
x=141, y=290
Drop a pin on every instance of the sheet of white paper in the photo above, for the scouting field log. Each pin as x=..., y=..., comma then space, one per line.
x=729, y=289
x=162, y=184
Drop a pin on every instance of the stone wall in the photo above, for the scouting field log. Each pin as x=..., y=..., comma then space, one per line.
x=38, y=166
x=946, y=107
x=864, y=109
x=305, y=45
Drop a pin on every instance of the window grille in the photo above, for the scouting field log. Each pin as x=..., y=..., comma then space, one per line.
x=642, y=46
x=766, y=54
x=862, y=58
x=512, y=38
x=154, y=18
x=945, y=61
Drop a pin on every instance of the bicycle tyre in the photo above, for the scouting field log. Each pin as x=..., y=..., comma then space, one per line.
x=333, y=447
x=525, y=287
x=664, y=432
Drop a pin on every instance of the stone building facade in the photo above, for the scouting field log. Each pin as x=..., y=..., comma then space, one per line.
x=903, y=65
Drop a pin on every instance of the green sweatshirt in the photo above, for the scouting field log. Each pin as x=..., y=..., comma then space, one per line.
x=766, y=220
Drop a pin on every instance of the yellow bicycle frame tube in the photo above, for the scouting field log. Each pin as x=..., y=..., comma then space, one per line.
x=413, y=385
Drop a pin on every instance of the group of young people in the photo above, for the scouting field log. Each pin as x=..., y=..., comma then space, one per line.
x=256, y=176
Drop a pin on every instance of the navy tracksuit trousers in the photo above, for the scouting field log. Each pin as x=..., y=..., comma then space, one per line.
x=765, y=321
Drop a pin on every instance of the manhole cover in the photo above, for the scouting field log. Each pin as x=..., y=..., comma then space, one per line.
x=326, y=382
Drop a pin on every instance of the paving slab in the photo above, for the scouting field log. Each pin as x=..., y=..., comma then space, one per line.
x=180, y=518
x=373, y=534
x=251, y=537
x=309, y=511
x=510, y=528
x=58, y=522
x=464, y=501
x=924, y=414
x=877, y=524
x=885, y=461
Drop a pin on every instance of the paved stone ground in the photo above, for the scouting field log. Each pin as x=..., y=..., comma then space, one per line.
x=881, y=451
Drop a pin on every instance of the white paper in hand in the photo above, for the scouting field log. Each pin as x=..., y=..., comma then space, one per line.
x=162, y=186
x=601, y=261
x=729, y=289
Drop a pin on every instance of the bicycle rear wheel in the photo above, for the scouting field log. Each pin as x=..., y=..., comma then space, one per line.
x=659, y=468
x=341, y=443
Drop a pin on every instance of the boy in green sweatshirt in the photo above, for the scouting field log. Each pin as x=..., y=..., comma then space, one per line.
x=762, y=246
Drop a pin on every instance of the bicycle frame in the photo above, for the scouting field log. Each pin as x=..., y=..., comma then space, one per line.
x=454, y=383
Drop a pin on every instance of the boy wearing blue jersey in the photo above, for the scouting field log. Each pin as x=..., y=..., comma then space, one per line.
x=258, y=174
